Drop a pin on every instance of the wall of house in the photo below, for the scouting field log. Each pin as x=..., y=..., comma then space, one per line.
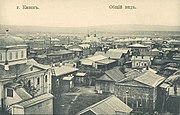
x=44, y=108
x=138, y=97
x=86, y=51
x=99, y=86
x=17, y=109
x=43, y=86
x=2, y=58
x=140, y=63
x=11, y=100
x=1, y=94
x=19, y=51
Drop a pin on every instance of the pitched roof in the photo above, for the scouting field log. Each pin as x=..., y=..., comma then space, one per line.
x=34, y=100
x=61, y=52
x=112, y=75
x=113, y=55
x=115, y=74
x=104, y=78
x=90, y=60
x=119, y=50
x=133, y=83
x=108, y=106
x=97, y=57
x=81, y=74
x=150, y=78
x=106, y=61
x=145, y=58
x=137, y=46
x=21, y=92
x=84, y=45
x=64, y=70
x=13, y=70
x=131, y=75
x=75, y=49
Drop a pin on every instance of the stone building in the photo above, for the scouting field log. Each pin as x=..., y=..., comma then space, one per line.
x=139, y=90
x=21, y=79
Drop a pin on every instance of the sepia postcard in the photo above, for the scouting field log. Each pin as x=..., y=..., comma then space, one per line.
x=90, y=57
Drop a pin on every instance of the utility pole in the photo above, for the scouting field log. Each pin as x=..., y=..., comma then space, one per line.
x=126, y=99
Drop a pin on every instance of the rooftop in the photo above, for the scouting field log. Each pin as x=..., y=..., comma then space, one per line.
x=137, y=46
x=145, y=58
x=11, y=41
x=112, y=75
x=61, y=52
x=150, y=78
x=35, y=100
x=119, y=50
x=64, y=70
x=97, y=57
x=105, y=61
x=109, y=106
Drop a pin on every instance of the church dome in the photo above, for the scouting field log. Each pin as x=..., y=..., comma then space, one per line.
x=8, y=41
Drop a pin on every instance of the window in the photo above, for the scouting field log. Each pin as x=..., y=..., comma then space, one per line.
x=9, y=92
x=137, y=64
x=46, y=78
x=10, y=55
x=0, y=56
x=29, y=83
x=104, y=86
x=16, y=55
x=145, y=64
x=31, y=69
x=38, y=81
x=22, y=54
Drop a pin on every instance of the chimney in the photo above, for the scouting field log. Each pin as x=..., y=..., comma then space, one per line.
x=7, y=32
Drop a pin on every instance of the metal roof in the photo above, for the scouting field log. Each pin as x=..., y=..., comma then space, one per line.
x=108, y=106
x=64, y=70
x=106, y=61
x=150, y=78
x=35, y=100
x=9, y=40
x=112, y=75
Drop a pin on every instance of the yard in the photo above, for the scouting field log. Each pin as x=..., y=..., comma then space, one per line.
x=71, y=103
x=84, y=101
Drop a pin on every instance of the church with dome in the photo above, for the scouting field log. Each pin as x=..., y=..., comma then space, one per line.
x=12, y=51
x=23, y=81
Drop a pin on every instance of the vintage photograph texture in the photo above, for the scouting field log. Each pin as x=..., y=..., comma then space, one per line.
x=90, y=57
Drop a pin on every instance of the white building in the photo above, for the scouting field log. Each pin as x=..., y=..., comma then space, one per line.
x=20, y=78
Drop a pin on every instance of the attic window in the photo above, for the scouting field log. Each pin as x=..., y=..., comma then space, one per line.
x=9, y=92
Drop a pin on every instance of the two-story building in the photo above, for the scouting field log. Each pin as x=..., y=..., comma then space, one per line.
x=63, y=79
x=139, y=90
x=141, y=61
x=98, y=62
x=19, y=77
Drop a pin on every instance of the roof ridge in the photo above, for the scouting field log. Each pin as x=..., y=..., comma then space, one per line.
x=92, y=106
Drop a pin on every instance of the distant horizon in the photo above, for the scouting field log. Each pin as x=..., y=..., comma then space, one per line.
x=89, y=26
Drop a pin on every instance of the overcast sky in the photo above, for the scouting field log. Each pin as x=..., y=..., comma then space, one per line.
x=78, y=13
